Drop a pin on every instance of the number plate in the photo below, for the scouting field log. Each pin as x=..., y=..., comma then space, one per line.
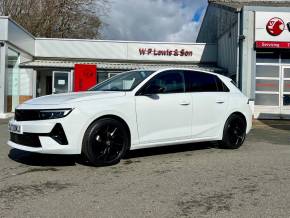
x=15, y=128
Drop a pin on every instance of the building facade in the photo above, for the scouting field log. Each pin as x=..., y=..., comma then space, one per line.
x=248, y=41
x=252, y=39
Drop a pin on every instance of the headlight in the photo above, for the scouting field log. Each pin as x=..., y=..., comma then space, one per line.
x=53, y=114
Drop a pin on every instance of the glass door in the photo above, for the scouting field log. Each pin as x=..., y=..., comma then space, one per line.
x=285, y=91
x=267, y=91
x=60, y=82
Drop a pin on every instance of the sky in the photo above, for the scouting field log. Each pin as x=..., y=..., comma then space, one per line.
x=154, y=20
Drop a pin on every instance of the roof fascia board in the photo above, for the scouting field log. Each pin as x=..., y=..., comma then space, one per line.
x=266, y=8
x=38, y=40
x=226, y=7
x=19, y=26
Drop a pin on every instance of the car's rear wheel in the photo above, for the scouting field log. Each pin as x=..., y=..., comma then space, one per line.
x=234, y=132
x=105, y=142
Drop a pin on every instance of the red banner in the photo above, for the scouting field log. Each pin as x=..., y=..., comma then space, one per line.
x=268, y=44
x=85, y=77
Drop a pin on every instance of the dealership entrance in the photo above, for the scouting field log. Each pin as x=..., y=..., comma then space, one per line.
x=272, y=94
x=286, y=89
x=61, y=82
x=53, y=81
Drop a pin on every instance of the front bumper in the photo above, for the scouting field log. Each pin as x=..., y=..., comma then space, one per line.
x=41, y=136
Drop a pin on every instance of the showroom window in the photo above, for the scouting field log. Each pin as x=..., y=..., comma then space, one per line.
x=267, y=79
x=13, y=79
x=272, y=79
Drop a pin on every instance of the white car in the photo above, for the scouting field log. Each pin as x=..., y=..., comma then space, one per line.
x=133, y=110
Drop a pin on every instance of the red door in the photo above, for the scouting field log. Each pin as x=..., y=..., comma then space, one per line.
x=85, y=77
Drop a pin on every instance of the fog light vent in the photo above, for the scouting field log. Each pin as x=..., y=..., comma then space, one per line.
x=58, y=134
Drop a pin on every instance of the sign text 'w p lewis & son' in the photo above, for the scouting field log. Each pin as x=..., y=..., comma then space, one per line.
x=165, y=52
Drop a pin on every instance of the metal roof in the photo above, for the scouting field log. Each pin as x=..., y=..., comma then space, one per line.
x=238, y=4
x=115, y=66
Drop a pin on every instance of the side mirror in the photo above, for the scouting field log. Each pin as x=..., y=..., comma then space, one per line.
x=153, y=89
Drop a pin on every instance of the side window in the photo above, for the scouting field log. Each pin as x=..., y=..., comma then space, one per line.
x=203, y=82
x=166, y=82
x=221, y=86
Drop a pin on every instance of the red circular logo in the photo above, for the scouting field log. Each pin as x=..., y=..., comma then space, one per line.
x=275, y=26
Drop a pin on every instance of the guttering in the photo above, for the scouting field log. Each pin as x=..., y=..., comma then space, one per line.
x=240, y=39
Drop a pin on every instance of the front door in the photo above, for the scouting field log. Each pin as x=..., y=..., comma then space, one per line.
x=60, y=82
x=165, y=115
x=285, y=92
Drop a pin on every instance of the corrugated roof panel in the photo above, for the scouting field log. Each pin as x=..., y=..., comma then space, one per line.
x=112, y=66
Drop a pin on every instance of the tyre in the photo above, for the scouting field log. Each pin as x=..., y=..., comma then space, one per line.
x=234, y=133
x=105, y=142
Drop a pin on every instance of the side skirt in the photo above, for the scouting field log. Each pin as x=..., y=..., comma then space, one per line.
x=161, y=144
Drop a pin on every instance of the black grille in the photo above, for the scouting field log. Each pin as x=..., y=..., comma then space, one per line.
x=26, y=139
x=26, y=115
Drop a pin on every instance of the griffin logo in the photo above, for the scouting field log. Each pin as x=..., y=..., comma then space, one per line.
x=275, y=26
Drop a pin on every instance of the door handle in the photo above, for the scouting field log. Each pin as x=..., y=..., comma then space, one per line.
x=185, y=103
x=220, y=101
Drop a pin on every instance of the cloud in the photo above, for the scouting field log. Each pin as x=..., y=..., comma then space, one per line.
x=154, y=20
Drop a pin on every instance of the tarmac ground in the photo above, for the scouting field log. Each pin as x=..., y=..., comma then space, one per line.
x=194, y=180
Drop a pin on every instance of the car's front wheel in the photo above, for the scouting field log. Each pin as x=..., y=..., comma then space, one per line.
x=234, y=132
x=105, y=142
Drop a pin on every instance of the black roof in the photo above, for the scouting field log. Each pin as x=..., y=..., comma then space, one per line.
x=238, y=4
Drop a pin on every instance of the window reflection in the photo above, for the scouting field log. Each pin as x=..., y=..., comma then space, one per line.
x=12, y=80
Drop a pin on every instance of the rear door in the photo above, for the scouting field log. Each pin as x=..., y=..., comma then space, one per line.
x=167, y=114
x=210, y=102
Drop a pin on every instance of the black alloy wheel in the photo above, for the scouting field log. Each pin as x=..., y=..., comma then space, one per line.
x=105, y=142
x=234, y=132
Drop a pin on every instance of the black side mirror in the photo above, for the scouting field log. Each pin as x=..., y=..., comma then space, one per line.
x=152, y=89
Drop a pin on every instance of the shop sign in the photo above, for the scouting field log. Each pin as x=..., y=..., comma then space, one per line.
x=272, y=27
x=165, y=52
x=275, y=26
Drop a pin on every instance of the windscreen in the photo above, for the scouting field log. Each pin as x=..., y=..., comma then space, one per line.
x=123, y=82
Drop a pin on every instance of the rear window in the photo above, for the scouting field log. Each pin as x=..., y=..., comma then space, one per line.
x=204, y=82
